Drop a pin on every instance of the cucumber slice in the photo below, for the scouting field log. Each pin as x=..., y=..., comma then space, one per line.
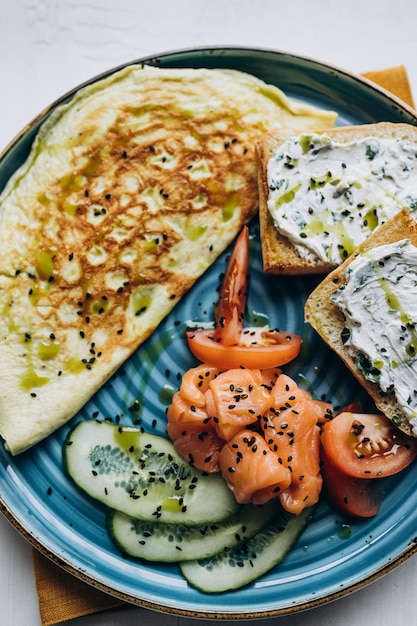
x=142, y=475
x=176, y=542
x=250, y=560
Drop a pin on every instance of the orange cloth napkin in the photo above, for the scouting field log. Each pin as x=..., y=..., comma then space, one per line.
x=395, y=80
x=62, y=596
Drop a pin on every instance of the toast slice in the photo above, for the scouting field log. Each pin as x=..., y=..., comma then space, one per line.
x=329, y=321
x=280, y=255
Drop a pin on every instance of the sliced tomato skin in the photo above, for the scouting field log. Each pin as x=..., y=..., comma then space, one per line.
x=230, y=311
x=365, y=445
x=276, y=348
x=352, y=407
x=355, y=497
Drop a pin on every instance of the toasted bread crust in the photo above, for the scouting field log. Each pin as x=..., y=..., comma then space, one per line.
x=279, y=255
x=328, y=321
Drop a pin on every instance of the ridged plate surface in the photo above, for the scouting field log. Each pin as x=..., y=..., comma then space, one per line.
x=334, y=556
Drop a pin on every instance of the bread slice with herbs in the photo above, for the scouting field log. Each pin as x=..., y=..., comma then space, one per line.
x=280, y=255
x=329, y=321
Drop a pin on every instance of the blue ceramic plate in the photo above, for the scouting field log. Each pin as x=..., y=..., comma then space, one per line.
x=333, y=556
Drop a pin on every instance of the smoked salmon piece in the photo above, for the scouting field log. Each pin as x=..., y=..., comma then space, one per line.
x=251, y=470
x=182, y=410
x=189, y=426
x=270, y=377
x=195, y=383
x=291, y=431
x=198, y=444
x=236, y=399
x=189, y=402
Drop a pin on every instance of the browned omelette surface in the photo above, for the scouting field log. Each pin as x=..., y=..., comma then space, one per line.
x=130, y=192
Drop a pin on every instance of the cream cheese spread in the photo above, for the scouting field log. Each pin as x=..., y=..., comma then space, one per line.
x=379, y=301
x=327, y=197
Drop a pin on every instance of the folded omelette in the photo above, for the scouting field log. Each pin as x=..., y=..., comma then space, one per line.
x=130, y=191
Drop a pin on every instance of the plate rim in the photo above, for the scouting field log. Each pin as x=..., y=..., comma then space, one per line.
x=156, y=58
x=214, y=614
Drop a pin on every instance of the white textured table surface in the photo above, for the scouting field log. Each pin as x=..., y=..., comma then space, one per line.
x=49, y=46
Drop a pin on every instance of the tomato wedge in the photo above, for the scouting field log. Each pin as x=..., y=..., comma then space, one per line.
x=230, y=312
x=365, y=445
x=352, y=407
x=356, y=497
x=257, y=348
x=229, y=345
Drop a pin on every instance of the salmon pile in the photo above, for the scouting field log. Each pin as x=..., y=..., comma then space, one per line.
x=257, y=427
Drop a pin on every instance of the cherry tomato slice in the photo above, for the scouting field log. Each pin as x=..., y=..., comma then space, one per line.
x=232, y=299
x=356, y=497
x=352, y=407
x=257, y=348
x=367, y=445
